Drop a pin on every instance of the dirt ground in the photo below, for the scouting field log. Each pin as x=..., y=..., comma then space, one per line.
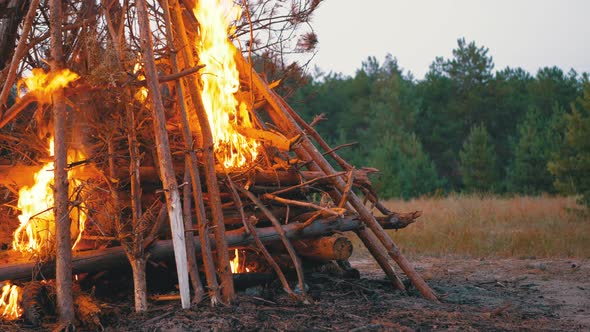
x=490, y=295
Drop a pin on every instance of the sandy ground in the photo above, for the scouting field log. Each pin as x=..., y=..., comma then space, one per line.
x=498, y=294
x=561, y=287
x=554, y=292
x=488, y=295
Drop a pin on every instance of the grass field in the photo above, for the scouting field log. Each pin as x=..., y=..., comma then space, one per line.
x=495, y=227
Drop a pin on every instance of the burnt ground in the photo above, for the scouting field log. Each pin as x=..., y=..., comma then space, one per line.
x=490, y=295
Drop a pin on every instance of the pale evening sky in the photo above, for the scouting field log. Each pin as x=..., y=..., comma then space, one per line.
x=519, y=33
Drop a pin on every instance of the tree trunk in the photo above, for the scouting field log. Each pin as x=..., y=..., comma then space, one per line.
x=63, y=268
x=139, y=283
x=164, y=156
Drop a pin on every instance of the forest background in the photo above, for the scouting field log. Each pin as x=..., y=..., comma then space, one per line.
x=465, y=127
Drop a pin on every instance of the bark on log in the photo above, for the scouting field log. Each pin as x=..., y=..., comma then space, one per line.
x=164, y=155
x=22, y=175
x=396, y=220
x=329, y=248
x=232, y=217
x=65, y=300
x=110, y=258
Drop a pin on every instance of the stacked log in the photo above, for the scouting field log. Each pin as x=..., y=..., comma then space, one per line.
x=291, y=197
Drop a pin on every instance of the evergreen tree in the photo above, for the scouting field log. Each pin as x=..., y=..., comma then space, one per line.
x=456, y=95
x=406, y=170
x=478, y=161
x=470, y=66
x=537, y=141
x=386, y=158
x=510, y=101
x=551, y=86
x=571, y=165
x=417, y=173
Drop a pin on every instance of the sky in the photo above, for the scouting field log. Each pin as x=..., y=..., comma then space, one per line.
x=519, y=33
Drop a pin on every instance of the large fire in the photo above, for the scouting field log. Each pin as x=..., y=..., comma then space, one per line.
x=221, y=82
x=9, y=302
x=43, y=84
x=37, y=223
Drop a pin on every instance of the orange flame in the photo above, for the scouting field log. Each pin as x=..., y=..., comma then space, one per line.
x=236, y=265
x=37, y=224
x=9, y=302
x=141, y=94
x=221, y=82
x=43, y=84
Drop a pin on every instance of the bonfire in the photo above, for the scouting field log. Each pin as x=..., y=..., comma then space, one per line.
x=175, y=149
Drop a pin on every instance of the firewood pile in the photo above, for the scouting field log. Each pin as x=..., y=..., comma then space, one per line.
x=154, y=163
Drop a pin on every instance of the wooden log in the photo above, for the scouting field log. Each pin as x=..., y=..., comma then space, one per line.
x=22, y=175
x=13, y=267
x=232, y=217
x=270, y=138
x=192, y=175
x=329, y=248
x=164, y=155
x=193, y=271
x=63, y=279
x=396, y=220
x=208, y=158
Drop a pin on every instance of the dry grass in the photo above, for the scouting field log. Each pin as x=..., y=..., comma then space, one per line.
x=492, y=226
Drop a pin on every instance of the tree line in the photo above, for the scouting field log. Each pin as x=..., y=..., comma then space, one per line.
x=462, y=128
